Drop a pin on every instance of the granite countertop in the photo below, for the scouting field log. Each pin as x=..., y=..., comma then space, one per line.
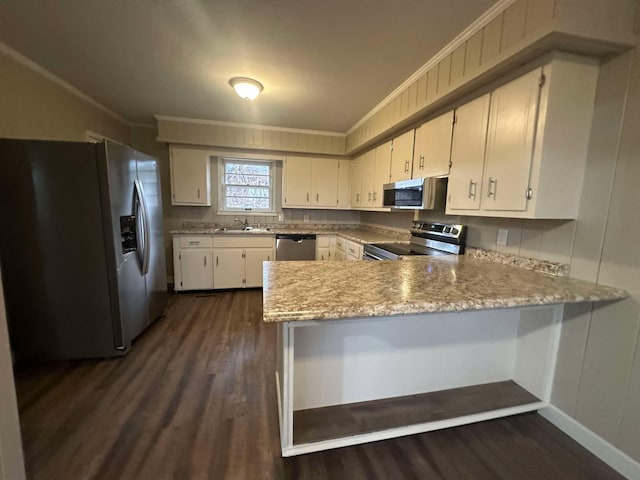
x=423, y=284
x=360, y=235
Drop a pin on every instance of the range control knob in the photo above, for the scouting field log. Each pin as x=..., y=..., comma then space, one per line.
x=446, y=229
x=454, y=231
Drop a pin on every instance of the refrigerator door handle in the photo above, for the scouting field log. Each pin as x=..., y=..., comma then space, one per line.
x=139, y=192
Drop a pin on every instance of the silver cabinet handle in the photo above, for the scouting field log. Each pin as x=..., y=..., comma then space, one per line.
x=205, y=260
x=406, y=166
x=375, y=196
x=421, y=162
x=317, y=197
x=369, y=196
x=472, y=188
x=307, y=197
x=216, y=260
x=492, y=191
x=198, y=193
x=357, y=198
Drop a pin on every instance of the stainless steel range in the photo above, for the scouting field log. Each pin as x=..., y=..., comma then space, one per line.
x=426, y=239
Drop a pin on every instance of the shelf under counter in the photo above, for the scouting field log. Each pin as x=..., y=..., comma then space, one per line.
x=394, y=414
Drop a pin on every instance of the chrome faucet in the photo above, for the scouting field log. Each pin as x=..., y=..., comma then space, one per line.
x=245, y=224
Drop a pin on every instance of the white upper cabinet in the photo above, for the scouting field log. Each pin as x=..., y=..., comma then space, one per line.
x=190, y=176
x=297, y=182
x=432, y=152
x=512, y=128
x=324, y=182
x=382, y=169
x=536, y=146
x=315, y=182
x=402, y=157
x=467, y=155
x=344, y=183
x=356, y=181
x=368, y=172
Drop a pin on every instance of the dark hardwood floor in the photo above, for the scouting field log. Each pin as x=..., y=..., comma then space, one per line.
x=195, y=399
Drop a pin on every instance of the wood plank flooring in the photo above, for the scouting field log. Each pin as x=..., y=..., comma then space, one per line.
x=195, y=399
x=316, y=424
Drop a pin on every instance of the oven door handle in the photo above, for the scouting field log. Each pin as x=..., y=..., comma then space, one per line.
x=371, y=256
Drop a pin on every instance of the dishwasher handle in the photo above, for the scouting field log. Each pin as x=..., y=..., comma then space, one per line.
x=297, y=237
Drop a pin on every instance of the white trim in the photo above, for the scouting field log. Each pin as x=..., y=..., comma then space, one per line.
x=271, y=212
x=597, y=445
x=465, y=35
x=200, y=121
x=553, y=349
x=282, y=446
x=410, y=429
x=18, y=57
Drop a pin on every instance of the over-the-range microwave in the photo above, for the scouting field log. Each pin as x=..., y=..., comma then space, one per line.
x=416, y=194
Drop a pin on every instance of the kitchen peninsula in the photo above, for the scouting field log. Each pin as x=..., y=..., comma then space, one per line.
x=376, y=350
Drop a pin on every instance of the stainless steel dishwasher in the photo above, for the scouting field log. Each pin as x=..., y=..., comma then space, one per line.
x=295, y=247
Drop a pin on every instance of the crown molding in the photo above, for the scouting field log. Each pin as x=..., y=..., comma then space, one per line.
x=18, y=57
x=247, y=125
x=465, y=35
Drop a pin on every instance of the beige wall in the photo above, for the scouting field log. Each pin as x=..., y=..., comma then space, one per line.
x=144, y=139
x=598, y=374
x=33, y=106
x=11, y=458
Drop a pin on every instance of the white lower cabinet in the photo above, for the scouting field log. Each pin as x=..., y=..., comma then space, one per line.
x=238, y=260
x=206, y=262
x=253, y=259
x=228, y=270
x=347, y=249
x=325, y=247
x=192, y=263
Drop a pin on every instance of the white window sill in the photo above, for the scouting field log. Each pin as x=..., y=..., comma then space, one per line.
x=252, y=213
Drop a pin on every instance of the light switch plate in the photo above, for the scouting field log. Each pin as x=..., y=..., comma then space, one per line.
x=503, y=236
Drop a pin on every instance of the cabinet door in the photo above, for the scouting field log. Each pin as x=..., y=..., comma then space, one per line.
x=253, y=265
x=436, y=146
x=402, y=157
x=228, y=269
x=464, y=188
x=344, y=182
x=382, y=172
x=368, y=178
x=195, y=269
x=323, y=254
x=297, y=182
x=190, y=177
x=512, y=126
x=356, y=181
x=324, y=183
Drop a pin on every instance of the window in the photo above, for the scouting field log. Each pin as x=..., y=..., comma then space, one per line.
x=246, y=186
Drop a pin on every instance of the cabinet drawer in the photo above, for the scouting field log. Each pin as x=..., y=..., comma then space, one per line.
x=340, y=243
x=353, y=249
x=195, y=242
x=322, y=241
x=243, y=241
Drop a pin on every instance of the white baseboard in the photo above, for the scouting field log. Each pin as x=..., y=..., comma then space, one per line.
x=605, y=451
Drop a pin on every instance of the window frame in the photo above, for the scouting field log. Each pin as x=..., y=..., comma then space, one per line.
x=222, y=210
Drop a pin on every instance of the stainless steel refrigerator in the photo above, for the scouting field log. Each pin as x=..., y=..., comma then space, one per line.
x=81, y=247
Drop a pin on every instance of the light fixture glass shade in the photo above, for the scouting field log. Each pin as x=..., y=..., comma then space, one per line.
x=246, y=88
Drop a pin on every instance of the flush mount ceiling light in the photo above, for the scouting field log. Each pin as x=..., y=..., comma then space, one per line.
x=246, y=88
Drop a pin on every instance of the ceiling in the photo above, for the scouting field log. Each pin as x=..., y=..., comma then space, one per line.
x=324, y=63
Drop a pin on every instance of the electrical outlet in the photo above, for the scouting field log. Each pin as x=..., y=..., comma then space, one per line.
x=305, y=218
x=503, y=236
x=281, y=217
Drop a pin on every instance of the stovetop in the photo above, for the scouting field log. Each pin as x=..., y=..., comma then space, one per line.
x=426, y=239
x=402, y=249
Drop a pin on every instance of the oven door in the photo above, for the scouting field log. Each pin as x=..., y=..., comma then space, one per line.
x=371, y=256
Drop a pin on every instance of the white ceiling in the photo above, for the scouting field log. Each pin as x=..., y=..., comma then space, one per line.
x=324, y=63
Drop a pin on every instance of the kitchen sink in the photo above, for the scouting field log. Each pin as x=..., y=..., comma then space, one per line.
x=242, y=230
